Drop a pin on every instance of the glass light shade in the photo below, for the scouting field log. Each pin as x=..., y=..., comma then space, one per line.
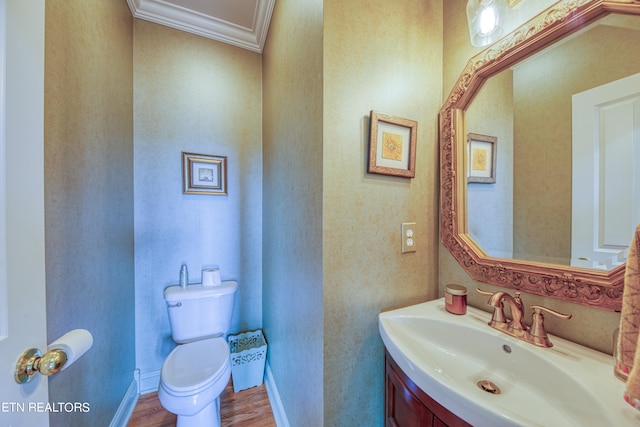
x=486, y=20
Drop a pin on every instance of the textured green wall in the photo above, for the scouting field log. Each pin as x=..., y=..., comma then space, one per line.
x=326, y=65
x=292, y=207
x=89, y=199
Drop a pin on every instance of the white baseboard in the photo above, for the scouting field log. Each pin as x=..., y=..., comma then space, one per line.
x=274, y=398
x=128, y=403
x=149, y=382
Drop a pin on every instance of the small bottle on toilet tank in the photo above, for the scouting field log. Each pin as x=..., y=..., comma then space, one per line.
x=184, y=276
x=455, y=299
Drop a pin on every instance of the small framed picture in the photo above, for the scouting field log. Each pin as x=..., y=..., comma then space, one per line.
x=204, y=174
x=482, y=158
x=392, y=145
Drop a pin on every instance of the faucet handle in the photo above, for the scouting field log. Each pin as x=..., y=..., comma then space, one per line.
x=537, y=330
x=481, y=292
x=538, y=309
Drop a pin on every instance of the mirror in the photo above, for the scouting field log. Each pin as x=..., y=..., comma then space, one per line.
x=528, y=214
x=517, y=230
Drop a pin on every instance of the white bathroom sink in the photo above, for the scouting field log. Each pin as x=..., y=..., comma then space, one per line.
x=447, y=355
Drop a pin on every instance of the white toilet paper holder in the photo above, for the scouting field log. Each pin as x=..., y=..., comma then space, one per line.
x=32, y=361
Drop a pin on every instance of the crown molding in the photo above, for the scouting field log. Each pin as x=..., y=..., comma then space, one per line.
x=182, y=18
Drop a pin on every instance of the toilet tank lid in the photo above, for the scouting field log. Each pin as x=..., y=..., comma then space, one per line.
x=176, y=293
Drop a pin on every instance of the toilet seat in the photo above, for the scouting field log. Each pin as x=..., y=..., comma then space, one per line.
x=195, y=366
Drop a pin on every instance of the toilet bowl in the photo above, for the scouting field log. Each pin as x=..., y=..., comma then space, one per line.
x=191, y=380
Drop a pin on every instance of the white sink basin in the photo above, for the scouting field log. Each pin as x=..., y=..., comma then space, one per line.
x=447, y=355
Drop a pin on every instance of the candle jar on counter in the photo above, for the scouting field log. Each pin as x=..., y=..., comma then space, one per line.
x=455, y=299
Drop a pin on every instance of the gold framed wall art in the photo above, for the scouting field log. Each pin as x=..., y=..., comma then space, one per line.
x=392, y=145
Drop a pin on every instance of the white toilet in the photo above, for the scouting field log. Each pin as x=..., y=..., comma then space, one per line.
x=196, y=371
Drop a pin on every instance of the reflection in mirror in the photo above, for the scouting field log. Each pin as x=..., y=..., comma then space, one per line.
x=528, y=214
x=526, y=91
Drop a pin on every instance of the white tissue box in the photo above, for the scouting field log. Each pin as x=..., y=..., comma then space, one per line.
x=248, y=358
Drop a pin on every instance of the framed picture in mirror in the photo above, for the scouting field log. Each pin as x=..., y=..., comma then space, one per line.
x=482, y=158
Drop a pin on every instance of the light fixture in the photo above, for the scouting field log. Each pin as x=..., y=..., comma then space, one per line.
x=485, y=19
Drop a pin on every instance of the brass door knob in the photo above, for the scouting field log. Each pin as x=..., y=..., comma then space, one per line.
x=32, y=361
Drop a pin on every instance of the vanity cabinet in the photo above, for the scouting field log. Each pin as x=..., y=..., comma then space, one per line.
x=406, y=405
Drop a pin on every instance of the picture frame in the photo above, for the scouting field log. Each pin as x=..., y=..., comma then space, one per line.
x=204, y=174
x=392, y=145
x=482, y=156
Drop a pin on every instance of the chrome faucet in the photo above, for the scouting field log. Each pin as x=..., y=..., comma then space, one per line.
x=536, y=335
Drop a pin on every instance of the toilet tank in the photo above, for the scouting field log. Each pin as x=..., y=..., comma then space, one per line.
x=198, y=312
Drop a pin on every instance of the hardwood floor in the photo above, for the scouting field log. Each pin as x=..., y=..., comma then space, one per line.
x=249, y=408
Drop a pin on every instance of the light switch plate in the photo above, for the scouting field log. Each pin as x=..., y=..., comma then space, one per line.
x=408, y=237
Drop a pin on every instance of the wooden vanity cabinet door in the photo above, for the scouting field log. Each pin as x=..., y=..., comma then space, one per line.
x=406, y=405
x=437, y=422
x=403, y=409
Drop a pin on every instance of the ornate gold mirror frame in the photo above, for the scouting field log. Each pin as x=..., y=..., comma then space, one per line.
x=601, y=289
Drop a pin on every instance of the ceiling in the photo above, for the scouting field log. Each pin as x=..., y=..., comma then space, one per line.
x=242, y=23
